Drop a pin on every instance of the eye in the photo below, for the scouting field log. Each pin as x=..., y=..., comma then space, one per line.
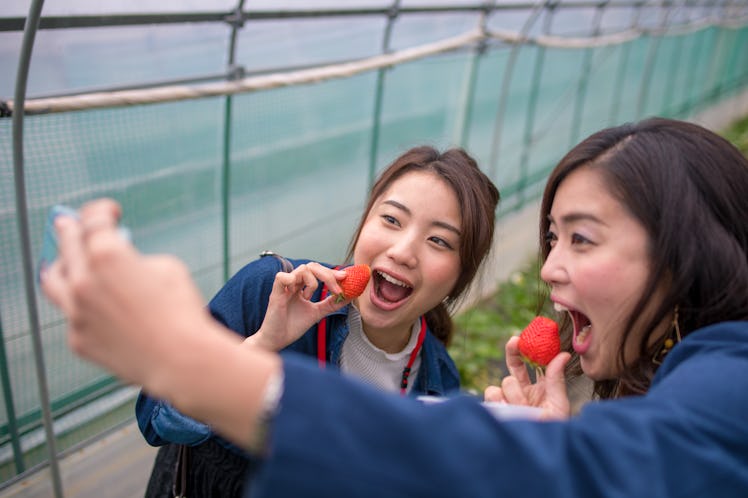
x=577, y=239
x=441, y=242
x=550, y=238
x=390, y=220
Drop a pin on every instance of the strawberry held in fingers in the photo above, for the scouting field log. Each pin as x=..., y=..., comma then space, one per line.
x=539, y=343
x=355, y=281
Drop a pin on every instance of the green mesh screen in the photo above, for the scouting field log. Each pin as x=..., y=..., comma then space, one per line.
x=217, y=180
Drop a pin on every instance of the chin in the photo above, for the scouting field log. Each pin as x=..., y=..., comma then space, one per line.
x=591, y=371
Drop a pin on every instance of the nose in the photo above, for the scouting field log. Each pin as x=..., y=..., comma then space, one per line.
x=403, y=251
x=553, y=270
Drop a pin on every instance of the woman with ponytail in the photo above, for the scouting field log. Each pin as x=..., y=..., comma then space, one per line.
x=426, y=229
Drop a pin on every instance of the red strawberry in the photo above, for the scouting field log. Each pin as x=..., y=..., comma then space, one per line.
x=539, y=343
x=354, y=283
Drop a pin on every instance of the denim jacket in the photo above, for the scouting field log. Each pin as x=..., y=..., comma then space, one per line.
x=241, y=305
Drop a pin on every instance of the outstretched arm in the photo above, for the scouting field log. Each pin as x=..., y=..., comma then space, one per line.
x=121, y=317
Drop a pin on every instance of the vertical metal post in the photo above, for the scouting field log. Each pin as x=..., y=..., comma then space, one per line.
x=532, y=101
x=729, y=63
x=15, y=438
x=581, y=95
x=379, y=95
x=685, y=104
x=649, y=64
x=234, y=72
x=24, y=61
x=467, y=114
x=225, y=187
x=744, y=71
x=466, y=117
x=714, y=74
x=725, y=60
x=621, y=73
x=696, y=50
x=733, y=69
x=675, y=64
x=619, y=82
x=506, y=82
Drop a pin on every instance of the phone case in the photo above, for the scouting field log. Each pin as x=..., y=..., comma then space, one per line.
x=48, y=253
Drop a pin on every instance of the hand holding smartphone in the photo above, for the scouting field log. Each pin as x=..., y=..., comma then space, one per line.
x=49, y=250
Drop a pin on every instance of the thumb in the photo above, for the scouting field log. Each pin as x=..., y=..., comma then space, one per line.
x=557, y=399
x=331, y=304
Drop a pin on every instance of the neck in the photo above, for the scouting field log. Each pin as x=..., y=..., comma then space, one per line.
x=390, y=340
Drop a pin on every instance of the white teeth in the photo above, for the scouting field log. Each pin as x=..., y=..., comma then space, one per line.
x=392, y=280
x=583, y=333
x=560, y=307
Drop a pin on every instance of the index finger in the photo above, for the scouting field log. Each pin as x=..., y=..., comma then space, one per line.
x=72, y=258
x=328, y=276
x=52, y=277
x=102, y=210
x=514, y=362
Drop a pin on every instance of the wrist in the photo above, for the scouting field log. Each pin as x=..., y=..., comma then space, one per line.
x=199, y=377
x=259, y=340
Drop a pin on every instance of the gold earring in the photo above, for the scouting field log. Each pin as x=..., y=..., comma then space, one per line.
x=669, y=342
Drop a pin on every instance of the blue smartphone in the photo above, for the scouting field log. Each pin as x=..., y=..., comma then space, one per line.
x=48, y=253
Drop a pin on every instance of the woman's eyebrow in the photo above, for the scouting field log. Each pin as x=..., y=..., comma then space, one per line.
x=441, y=224
x=397, y=205
x=448, y=226
x=577, y=216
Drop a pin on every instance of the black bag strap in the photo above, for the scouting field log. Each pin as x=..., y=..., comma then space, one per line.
x=182, y=466
x=181, y=471
x=286, y=265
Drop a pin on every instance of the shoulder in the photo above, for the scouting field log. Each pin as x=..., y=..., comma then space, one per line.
x=264, y=268
x=439, y=363
x=727, y=341
x=433, y=346
x=707, y=370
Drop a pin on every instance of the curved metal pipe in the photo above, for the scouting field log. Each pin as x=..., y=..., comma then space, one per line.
x=24, y=61
x=506, y=81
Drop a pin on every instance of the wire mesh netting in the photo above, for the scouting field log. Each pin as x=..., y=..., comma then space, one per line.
x=226, y=132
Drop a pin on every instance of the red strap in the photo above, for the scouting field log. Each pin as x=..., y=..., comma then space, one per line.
x=322, y=335
x=322, y=331
x=322, y=345
x=413, y=356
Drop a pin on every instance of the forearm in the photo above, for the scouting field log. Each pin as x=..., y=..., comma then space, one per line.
x=214, y=380
x=143, y=318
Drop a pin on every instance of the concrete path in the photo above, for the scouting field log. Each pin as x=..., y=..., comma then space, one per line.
x=116, y=466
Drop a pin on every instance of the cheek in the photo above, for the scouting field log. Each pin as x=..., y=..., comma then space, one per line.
x=441, y=273
x=612, y=286
x=368, y=244
x=592, y=281
x=610, y=293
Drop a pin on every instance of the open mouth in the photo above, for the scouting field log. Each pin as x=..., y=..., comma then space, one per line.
x=390, y=289
x=582, y=326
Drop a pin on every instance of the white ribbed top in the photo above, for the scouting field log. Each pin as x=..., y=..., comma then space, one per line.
x=375, y=366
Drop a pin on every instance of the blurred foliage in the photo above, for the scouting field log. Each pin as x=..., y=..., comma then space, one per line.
x=737, y=133
x=481, y=331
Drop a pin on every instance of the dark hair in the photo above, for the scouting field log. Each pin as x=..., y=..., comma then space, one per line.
x=688, y=187
x=477, y=197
